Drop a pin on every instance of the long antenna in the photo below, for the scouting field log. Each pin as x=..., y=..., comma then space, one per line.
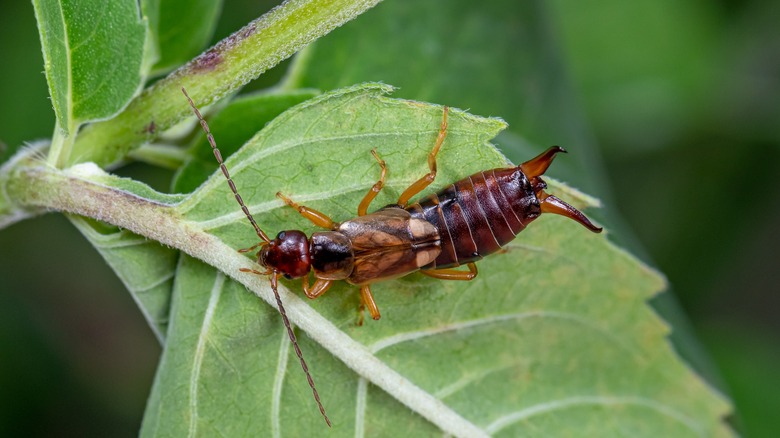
x=262, y=235
x=218, y=156
x=291, y=334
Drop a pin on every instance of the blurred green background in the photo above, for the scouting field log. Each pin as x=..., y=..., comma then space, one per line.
x=682, y=98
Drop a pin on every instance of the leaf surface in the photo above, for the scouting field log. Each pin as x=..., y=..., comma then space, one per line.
x=180, y=28
x=237, y=122
x=553, y=337
x=93, y=51
x=145, y=267
x=495, y=58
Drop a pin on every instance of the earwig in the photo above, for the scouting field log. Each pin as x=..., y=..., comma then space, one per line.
x=460, y=224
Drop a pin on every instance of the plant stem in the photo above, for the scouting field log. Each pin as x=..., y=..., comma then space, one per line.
x=61, y=145
x=224, y=68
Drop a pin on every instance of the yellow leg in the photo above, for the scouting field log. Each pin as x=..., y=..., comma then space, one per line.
x=426, y=180
x=453, y=274
x=317, y=218
x=251, y=248
x=253, y=271
x=363, y=207
x=367, y=302
x=319, y=287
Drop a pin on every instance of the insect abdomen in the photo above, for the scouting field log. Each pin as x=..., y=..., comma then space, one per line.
x=478, y=215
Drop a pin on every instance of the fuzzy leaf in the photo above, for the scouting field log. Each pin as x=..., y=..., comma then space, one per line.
x=237, y=122
x=92, y=52
x=553, y=337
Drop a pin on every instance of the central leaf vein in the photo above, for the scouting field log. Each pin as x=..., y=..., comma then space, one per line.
x=543, y=408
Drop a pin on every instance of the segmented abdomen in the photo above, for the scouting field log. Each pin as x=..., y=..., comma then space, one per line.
x=478, y=215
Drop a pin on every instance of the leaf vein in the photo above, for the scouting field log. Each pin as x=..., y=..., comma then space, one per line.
x=360, y=407
x=419, y=334
x=256, y=157
x=200, y=351
x=584, y=400
x=237, y=215
x=468, y=379
x=281, y=371
x=162, y=279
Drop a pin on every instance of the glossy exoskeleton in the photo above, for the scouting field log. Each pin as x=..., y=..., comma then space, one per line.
x=461, y=224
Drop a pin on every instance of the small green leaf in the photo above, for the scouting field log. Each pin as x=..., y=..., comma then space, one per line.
x=180, y=28
x=150, y=9
x=92, y=54
x=554, y=335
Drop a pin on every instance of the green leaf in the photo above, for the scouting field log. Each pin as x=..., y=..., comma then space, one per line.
x=145, y=267
x=180, y=28
x=554, y=335
x=92, y=54
x=496, y=57
x=501, y=58
x=236, y=123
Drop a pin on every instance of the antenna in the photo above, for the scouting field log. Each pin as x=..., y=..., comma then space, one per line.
x=218, y=156
x=266, y=240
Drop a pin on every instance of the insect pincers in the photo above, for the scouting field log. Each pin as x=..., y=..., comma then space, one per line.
x=459, y=225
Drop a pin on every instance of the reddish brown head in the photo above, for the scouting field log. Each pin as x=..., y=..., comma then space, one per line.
x=533, y=170
x=287, y=254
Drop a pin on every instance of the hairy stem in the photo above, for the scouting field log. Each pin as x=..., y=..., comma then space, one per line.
x=224, y=68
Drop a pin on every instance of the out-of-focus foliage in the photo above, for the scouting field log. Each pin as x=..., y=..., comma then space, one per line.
x=682, y=98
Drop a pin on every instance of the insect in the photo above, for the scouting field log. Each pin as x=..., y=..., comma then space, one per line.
x=461, y=224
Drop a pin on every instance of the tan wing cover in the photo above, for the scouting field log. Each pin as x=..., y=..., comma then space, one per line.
x=389, y=243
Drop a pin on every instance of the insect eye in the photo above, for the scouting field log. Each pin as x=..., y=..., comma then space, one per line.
x=281, y=235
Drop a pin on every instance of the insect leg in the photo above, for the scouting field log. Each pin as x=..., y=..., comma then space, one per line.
x=319, y=287
x=253, y=271
x=453, y=274
x=363, y=207
x=367, y=301
x=251, y=248
x=317, y=218
x=426, y=180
